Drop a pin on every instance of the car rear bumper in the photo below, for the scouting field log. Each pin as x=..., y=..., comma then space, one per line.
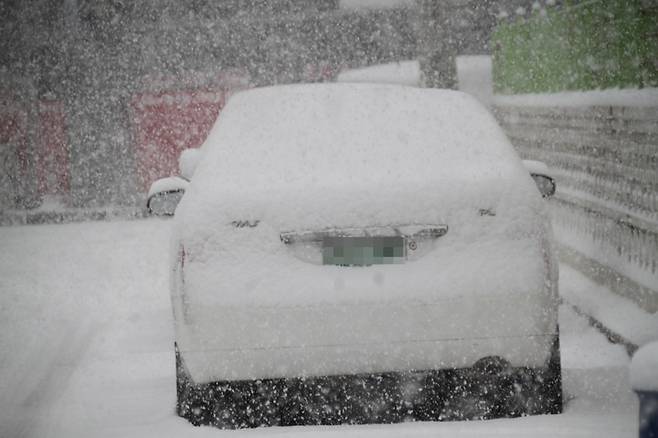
x=238, y=343
x=274, y=316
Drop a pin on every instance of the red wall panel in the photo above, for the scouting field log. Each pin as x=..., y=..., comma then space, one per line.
x=52, y=154
x=13, y=121
x=168, y=122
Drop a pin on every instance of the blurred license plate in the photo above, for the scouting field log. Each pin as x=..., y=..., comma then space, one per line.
x=363, y=251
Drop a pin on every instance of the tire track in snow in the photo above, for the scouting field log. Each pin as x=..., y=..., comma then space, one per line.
x=33, y=412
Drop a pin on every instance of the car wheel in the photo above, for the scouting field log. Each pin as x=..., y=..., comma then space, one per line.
x=478, y=393
x=538, y=391
x=492, y=388
x=190, y=401
x=552, y=381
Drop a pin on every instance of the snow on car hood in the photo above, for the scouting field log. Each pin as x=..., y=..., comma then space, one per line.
x=339, y=155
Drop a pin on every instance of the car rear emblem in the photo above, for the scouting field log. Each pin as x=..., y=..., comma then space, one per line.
x=243, y=224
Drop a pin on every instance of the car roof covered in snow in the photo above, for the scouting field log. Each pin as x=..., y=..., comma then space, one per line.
x=324, y=139
x=294, y=134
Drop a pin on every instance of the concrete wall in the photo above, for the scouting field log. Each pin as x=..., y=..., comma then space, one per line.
x=605, y=211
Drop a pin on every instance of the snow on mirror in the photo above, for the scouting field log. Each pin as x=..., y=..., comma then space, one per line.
x=164, y=203
x=165, y=194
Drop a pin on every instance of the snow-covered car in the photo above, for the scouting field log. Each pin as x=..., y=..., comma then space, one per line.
x=357, y=253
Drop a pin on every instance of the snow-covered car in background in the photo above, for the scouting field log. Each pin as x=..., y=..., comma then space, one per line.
x=357, y=253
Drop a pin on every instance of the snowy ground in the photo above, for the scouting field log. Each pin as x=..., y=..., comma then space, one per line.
x=86, y=339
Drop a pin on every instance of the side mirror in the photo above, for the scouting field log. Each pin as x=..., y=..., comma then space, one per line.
x=541, y=175
x=545, y=184
x=165, y=194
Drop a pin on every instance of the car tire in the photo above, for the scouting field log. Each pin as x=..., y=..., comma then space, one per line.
x=537, y=391
x=492, y=388
x=190, y=402
x=552, y=384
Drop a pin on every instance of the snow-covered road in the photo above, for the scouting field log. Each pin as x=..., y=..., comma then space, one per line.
x=86, y=348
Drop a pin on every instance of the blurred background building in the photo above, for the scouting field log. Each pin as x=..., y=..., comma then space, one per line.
x=98, y=97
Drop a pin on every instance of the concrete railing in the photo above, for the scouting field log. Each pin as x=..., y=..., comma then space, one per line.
x=605, y=160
